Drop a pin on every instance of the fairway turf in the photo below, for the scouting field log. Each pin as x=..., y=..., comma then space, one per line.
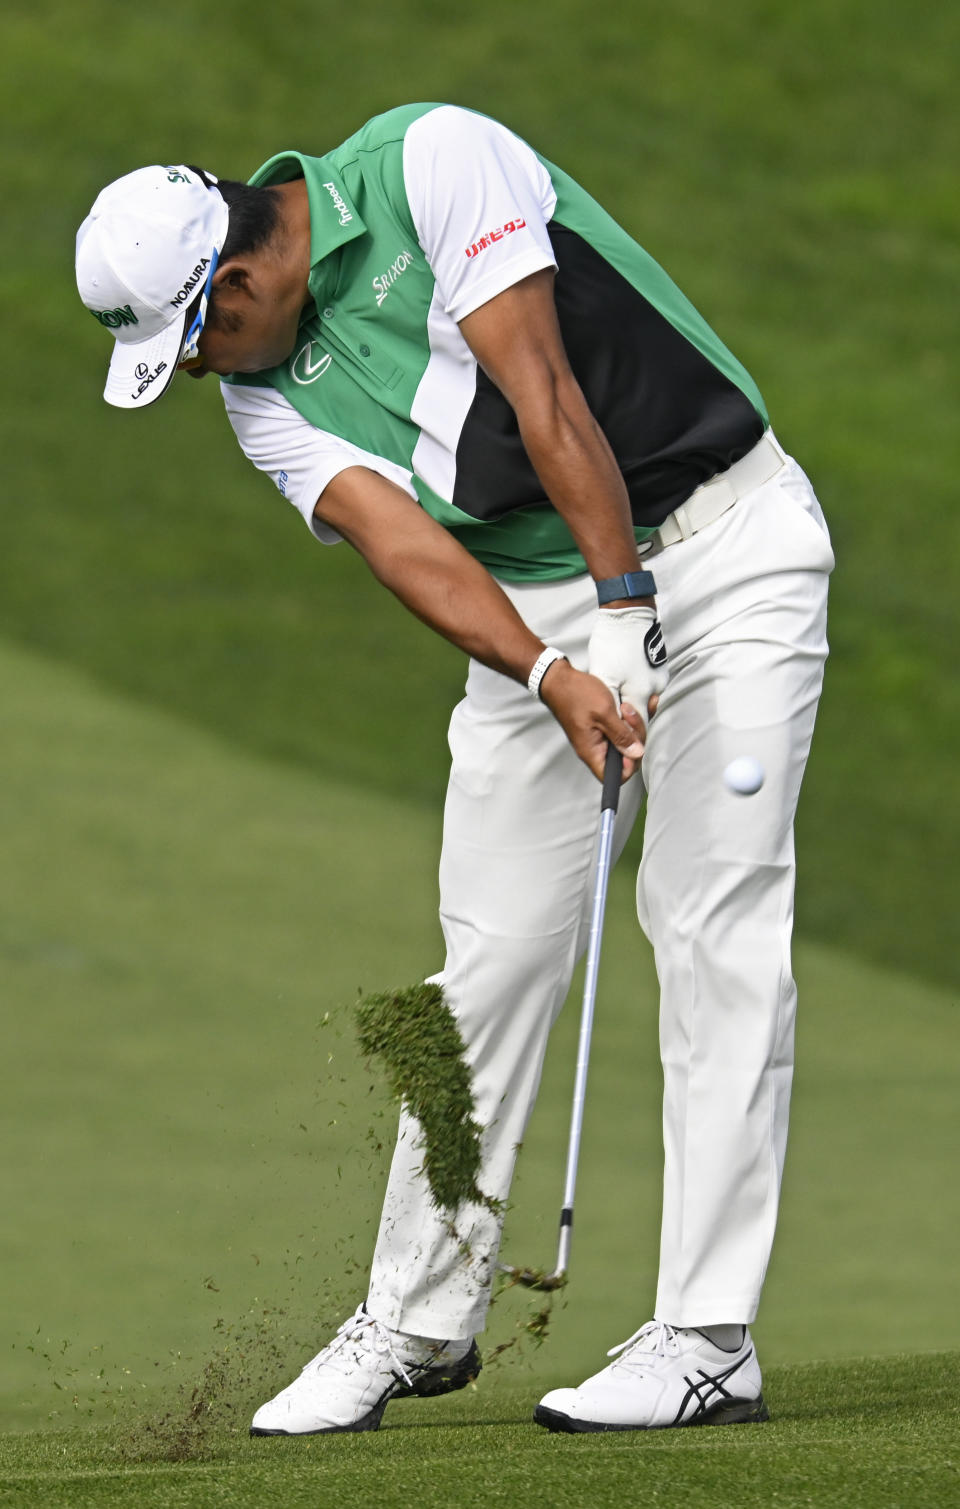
x=881, y=1434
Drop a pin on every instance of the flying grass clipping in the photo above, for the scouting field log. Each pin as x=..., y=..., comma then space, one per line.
x=414, y=1034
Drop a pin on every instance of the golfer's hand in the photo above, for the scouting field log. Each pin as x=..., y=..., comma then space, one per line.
x=588, y=715
x=627, y=653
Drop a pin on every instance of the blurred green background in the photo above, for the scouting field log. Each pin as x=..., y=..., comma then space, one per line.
x=223, y=754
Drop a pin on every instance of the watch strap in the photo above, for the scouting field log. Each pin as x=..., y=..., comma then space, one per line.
x=631, y=584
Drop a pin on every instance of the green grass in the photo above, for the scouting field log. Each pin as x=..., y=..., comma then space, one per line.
x=881, y=1434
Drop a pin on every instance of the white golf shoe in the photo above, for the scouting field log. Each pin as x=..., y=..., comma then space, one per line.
x=662, y=1376
x=349, y=1384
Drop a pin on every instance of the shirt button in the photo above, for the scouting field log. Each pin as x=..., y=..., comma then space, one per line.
x=364, y=350
x=328, y=312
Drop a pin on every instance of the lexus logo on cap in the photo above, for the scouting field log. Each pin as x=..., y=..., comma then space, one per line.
x=141, y=370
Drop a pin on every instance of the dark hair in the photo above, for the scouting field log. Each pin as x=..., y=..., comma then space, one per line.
x=254, y=220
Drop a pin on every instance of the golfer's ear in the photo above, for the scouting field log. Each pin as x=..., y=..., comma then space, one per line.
x=233, y=276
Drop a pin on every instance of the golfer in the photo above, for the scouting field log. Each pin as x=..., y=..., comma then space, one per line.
x=442, y=350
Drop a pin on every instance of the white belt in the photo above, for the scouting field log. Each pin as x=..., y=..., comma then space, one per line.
x=713, y=498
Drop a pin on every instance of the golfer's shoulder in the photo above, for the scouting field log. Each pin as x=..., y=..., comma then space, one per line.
x=388, y=129
x=423, y=126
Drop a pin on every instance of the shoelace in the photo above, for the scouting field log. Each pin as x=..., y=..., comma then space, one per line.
x=366, y=1335
x=663, y=1339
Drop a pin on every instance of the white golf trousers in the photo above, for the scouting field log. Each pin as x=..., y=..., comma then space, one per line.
x=743, y=607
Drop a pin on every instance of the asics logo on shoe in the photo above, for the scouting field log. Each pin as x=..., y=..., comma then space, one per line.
x=707, y=1391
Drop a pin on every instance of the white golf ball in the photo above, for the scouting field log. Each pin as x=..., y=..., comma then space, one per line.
x=744, y=775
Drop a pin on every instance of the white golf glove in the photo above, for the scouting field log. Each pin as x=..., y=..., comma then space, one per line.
x=628, y=654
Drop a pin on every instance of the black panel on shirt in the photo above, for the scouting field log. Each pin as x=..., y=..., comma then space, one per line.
x=672, y=418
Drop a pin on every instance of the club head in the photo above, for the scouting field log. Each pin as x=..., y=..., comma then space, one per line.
x=535, y=1278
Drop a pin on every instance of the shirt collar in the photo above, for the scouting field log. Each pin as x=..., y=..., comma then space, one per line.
x=334, y=218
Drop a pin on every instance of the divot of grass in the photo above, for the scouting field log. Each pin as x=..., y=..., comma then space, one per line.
x=414, y=1033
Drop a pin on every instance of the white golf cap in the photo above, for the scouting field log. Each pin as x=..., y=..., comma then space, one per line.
x=147, y=248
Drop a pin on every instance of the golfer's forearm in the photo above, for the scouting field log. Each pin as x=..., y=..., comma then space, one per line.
x=573, y=460
x=516, y=339
x=464, y=605
x=429, y=571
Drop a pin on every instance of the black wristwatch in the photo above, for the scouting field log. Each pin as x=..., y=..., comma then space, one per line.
x=630, y=584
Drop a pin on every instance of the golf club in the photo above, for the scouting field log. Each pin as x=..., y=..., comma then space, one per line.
x=534, y=1278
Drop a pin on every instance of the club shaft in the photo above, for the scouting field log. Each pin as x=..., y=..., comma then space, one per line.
x=604, y=855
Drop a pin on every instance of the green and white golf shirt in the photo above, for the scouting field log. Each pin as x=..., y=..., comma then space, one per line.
x=423, y=215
